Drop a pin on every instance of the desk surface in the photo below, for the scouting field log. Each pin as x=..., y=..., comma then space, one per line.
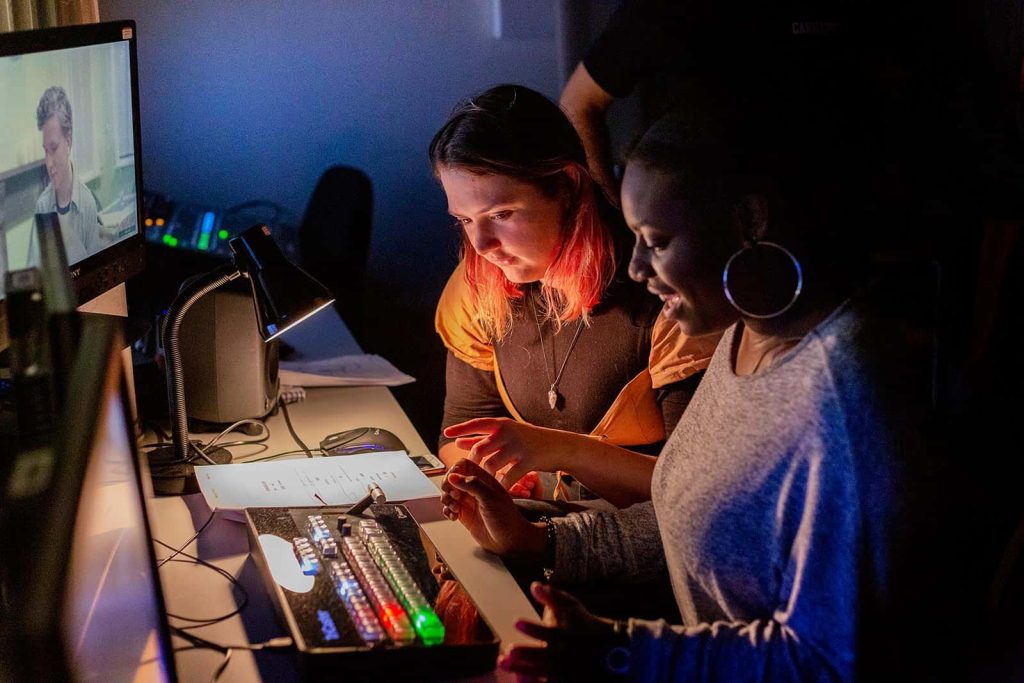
x=198, y=592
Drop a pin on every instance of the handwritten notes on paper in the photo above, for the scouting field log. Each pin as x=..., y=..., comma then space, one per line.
x=304, y=482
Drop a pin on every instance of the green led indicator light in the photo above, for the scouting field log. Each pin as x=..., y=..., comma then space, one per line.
x=428, y=626
x=173, y=241
x=204, y=242
x=223, y=234
x=167, y=239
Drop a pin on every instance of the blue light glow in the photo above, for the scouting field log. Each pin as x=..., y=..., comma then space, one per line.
x=327, y=626
x=208, y=218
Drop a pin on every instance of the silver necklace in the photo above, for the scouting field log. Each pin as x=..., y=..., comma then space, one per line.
x=553, y=395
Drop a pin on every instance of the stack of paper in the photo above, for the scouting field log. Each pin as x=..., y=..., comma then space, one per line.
x=343, y=371
x=306, y=482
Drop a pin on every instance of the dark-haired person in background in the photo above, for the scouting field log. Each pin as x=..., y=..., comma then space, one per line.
x=644, y=41
x=74, y=203
x=676, y=55
x=790, y=505
x=552, y=350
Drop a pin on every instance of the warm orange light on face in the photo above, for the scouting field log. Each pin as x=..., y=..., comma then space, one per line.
x=571, y=253
x=507, y=222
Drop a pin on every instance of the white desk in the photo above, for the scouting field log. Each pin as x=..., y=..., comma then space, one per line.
x=198, y=592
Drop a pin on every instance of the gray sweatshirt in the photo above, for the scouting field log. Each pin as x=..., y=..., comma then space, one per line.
x=773, y=508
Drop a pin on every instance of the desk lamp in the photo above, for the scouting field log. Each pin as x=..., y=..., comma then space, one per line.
x=284, y=296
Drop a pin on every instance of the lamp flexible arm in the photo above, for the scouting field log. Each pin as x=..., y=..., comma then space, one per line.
x=188, y=295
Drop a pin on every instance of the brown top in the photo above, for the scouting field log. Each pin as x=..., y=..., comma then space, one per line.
x=621, y=381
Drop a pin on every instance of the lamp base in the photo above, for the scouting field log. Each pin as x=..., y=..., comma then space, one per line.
x=171, y=477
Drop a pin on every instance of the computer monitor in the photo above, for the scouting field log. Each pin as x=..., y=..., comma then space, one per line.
x=70, y=143
x=82, y=591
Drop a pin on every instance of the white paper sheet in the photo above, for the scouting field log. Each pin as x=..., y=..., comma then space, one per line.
x=358, y=370
x=338, y=480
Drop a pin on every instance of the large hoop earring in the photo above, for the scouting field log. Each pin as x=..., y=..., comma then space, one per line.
x=748, y=252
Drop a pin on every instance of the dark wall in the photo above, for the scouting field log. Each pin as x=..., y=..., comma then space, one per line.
x=254, y=101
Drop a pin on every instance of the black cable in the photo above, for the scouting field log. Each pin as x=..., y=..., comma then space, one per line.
x=271, y=457
x=198, y=643
x=288, y=421
x=192, y=559
x=223, y=572
x=236, y=425
x=223, y=666
x=258, y=448
x=202, y=623
x=203, y=644
x=186, y=543
x=163, y=441
x=243, y=442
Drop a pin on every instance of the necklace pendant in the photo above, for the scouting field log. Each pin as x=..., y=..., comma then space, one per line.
x=553, y=398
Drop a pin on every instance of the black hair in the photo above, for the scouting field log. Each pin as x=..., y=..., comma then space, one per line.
x=807, y=163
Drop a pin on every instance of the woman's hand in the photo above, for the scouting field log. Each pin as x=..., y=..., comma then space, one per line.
x=527, y=487
x=503, y=445
x=579, y=644
x=475, y=498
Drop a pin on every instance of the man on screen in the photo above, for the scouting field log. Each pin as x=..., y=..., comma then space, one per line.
x=65, y=194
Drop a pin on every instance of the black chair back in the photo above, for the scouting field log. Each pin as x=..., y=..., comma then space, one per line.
x=334, y=238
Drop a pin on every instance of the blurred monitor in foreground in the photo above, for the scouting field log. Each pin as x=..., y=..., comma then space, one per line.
x=82, y=591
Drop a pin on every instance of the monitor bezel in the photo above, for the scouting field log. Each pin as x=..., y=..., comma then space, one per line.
x=118, y=262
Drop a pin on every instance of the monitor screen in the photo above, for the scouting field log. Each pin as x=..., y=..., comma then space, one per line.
x=113, y=621
x=69, y=143
x=80, y=593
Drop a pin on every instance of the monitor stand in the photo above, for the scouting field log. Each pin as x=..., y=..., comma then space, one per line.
x=114, y=302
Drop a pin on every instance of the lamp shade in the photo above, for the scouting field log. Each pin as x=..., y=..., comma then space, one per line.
x=284, y=293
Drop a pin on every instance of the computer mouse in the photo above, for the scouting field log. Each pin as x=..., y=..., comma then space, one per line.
x=361, y=440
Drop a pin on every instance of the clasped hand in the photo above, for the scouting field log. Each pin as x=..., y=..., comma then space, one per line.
x=472, y=496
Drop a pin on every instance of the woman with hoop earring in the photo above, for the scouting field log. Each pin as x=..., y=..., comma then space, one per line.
x=790, y=505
